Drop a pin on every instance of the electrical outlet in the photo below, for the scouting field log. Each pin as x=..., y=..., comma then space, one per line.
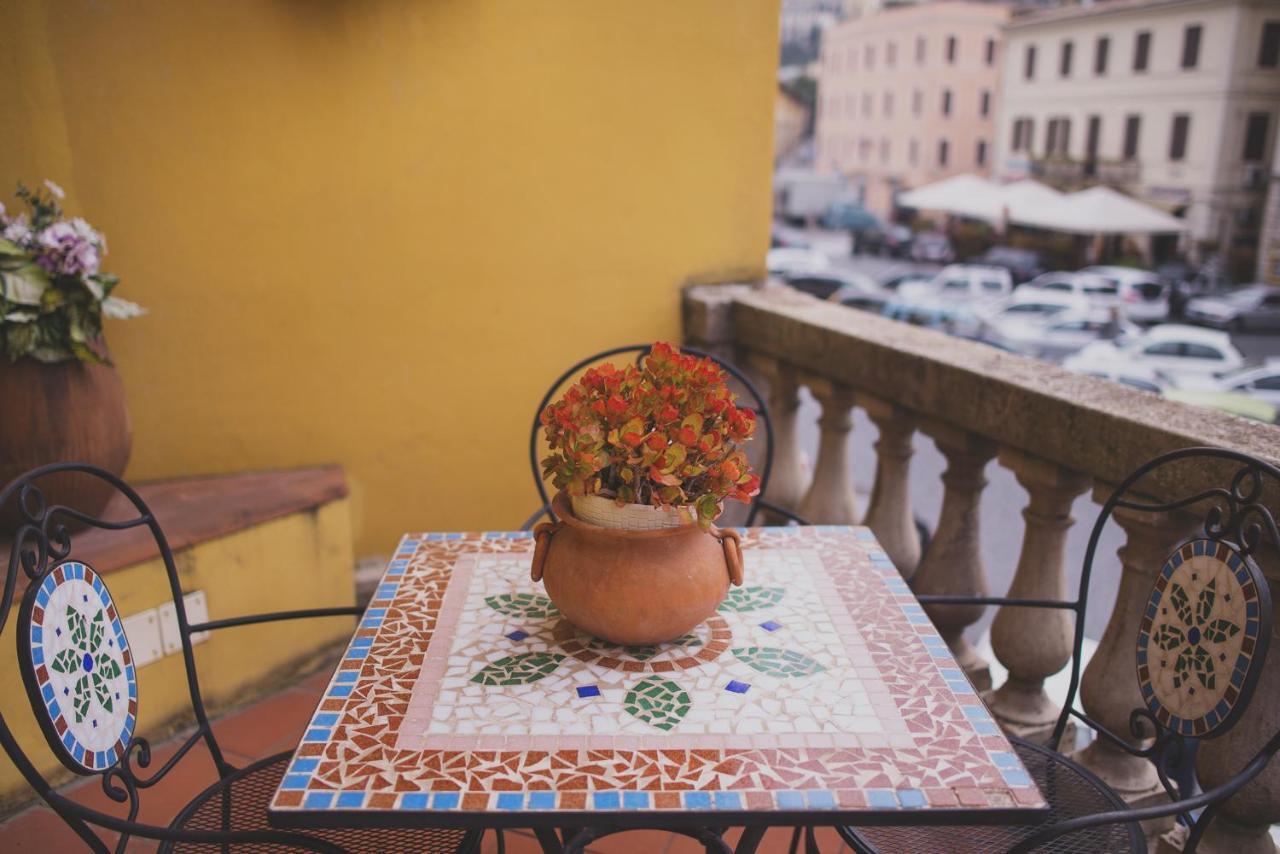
x=143, y=632
x=197, y=612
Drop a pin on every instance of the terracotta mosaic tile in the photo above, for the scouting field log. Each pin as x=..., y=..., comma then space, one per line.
x=820, y=685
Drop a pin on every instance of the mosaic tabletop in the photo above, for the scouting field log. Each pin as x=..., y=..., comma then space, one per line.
x=819, y=686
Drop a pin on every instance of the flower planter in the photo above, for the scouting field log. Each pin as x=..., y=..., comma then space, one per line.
x=634, y=586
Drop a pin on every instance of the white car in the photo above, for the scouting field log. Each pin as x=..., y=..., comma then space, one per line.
x=795, y=260
x=1063, y=334
x=1099, y=291
x=952, y=299
x=1255, y=306
x=1257, y=380
x=1177, y=352
x=1145, y=297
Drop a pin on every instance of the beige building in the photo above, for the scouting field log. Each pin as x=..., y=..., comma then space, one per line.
x=790, y=123
x=1174, y=101
x=908, y=95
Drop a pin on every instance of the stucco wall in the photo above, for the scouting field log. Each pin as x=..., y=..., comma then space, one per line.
x=371, y=233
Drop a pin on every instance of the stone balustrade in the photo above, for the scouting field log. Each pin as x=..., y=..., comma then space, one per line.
x=1058, y=433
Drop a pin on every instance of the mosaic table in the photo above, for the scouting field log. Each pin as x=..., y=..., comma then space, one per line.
x=818, y=694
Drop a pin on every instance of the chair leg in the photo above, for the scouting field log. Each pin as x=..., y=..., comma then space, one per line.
x=549, y=840
x=855, y=840
x=749, y=841
x=795, y=841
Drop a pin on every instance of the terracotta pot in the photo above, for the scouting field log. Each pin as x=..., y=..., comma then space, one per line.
x=634, y=587
x=68, y=411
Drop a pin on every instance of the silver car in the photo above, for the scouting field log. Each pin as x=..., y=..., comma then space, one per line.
x=1252, y=306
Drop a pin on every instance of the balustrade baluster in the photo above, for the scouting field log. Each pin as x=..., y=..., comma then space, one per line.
x=830, y=499
x=787, y=479
x=889, y=513
x=953, y=563
x=1035, y=643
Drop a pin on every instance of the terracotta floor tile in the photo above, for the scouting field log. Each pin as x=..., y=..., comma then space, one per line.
x=517, y=841
x=269, y=726
x=632, y=842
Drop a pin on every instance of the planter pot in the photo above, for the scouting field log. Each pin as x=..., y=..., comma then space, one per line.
x=634, y=587
x=68, y=411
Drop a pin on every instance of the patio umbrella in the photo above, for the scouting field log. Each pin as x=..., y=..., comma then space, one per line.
x=1098, y=210
x=962, y=195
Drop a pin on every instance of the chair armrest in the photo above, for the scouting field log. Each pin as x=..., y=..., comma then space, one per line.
x=781, y=511
x=252, y=619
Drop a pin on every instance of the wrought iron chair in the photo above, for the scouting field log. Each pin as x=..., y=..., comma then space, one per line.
x=80, y=678
x=1209, y=599
x=755, y=402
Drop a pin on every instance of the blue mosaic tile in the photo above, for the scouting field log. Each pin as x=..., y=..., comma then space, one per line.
x=350, y=800
x=697, y=800
x=911, y=798
x=635, y=800
x=737, y=687
x=510, y=800
x=542, y=800
x=728, y=801
x=789, y=800
x=821, y=799
x=585, y=691
x=517, y=635
x=771, y=625
x=881, y=799
x=605, y=800
x=304, y=765
x=413, y=801
x=445, y=800
x=317, y=800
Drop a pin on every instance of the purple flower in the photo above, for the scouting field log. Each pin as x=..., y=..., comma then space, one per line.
x=58, y=192
x=17, y=231
x=67, y=252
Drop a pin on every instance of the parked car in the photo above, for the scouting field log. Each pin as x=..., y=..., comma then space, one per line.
x=1143, y=379
x=891, y=239
x=952, y=299
x=855, y=290
x=1053, y=326
x=1177, y=352
x=933, y=247
x=1234, y=403
x=896, y=281
x=1023, y=264
x=1252, y=306
x=969, y=282
x=1100, y=292
x=780, y=237
x=794, y=260
x=849, y=216
x=1145, y=297
x=1260, y=380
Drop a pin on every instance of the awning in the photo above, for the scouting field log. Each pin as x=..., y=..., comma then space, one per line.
x=1100, y=210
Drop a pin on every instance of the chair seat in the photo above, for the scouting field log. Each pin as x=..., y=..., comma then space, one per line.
x=251, y=790
x=1071, y=790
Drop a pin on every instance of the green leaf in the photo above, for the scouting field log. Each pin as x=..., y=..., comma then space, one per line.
x=25, y=285
x=1178, y=599
x=519, y=669
x=530, y=605
x=752, y=598
x=101, y=690
x=658, y=701
x=96, y=629
x=1169, y=637
x=645, y=652
x=1204, y=603
x=79, y=628
x=107, y=666
x=67, y=661
x=8, y=247
x=774, y=661
x=80, y=698
x=1219, y=630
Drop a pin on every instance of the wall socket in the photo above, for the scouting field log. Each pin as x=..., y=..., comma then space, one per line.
x=153, y=633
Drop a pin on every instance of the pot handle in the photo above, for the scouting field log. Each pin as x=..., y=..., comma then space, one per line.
x=542, y=534
x=732, y=554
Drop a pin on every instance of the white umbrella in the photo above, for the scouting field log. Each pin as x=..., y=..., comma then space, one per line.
x=962, y=195
x=1099, y=210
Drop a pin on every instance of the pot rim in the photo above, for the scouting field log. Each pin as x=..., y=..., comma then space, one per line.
x=563, y=510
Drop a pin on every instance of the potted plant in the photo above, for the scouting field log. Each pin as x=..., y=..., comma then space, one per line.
x=63, y=399
x=643, y=458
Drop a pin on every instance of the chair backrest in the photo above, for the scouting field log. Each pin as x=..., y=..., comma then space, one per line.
x=74, y=657
x=754, y=401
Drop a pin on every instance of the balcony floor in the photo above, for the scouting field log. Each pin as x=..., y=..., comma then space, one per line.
x=273, y=724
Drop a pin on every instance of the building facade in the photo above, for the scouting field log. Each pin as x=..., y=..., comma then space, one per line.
x=1173, y=101
x=908, y=95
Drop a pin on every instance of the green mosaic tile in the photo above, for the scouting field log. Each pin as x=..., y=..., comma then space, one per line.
x=643, y=653
x=777, y=662
x=658, y=701
x=752, y=598
x=519, y=669
x=529, y=605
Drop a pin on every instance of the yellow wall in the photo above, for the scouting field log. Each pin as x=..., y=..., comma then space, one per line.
x=372, y=231
x=298, y=561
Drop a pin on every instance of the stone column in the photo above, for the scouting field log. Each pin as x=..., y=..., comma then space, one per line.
x=953, y=564
x=889, y=514
x=787, y=478
x=1109, y=687
x=1244, y=823
x=830, y=499
x=1035, y=643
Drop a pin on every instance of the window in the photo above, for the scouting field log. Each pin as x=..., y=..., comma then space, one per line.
x=946, y=102
x=852, y=60
x=1191, y=46
x=1200, y=351
x=886, y=104
x=991, y=52
x=1091, y=139
x=1269, y=47
x=866, y=103
x=1255, y=136
x=920, y=50
x=1021, y=134
x=1271, y=383
x=917, y=102
x=1100, y=51
x=890, y=54
x=1029, y=62
x=984, y=103
x=884, y=150
x=992, y=287
x=869, y=57
x=1064, y=59
x=1164, y=348
x=1059, y=141
x=1178, y=138
x=956, y=285
x=1132, y=126
x=943, y=151
x=951, y=50
x=1141, y=51
x=980, y=156
x=913, y=152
